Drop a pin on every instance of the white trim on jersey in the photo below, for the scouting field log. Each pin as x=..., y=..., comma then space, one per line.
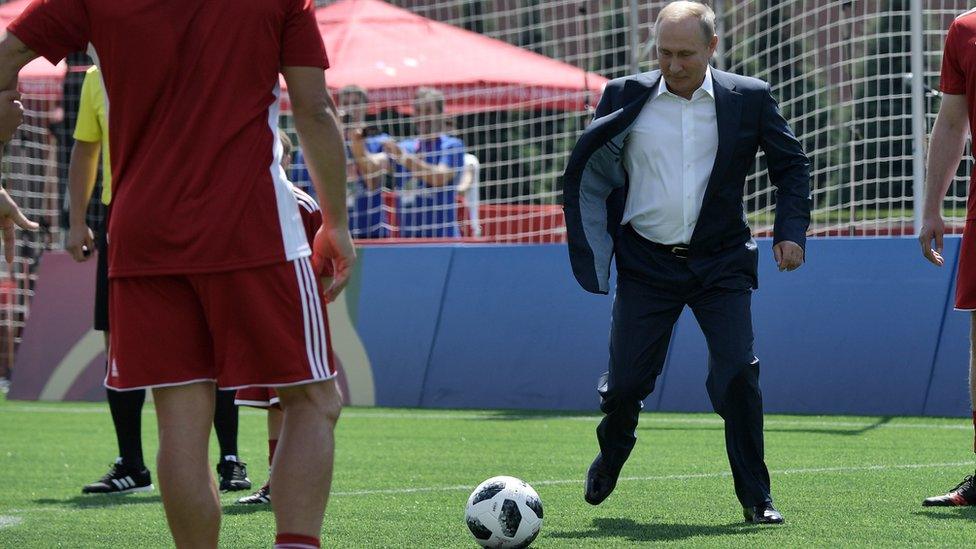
x=305, y=200
x=315, y=344
x=292, y=231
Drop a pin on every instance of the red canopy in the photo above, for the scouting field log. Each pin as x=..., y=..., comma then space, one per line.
x=38, y=69
x=391, y=51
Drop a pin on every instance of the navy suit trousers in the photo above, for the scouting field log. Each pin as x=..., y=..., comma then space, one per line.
x=653, y=286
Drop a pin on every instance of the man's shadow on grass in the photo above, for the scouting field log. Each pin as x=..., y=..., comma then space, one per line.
x=634, y=531
x=235, y=509
x=842, y=431
x=948, y=513
x=94, y=501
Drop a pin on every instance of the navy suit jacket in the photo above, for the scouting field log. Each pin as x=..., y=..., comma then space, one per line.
x=722, y=251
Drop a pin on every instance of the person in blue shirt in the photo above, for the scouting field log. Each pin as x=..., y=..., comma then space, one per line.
x=427, y=172
x=365, y=166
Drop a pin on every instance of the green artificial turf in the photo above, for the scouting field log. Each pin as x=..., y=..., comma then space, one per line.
x=402, y=478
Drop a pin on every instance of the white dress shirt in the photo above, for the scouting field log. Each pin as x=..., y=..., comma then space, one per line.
x=669, y=156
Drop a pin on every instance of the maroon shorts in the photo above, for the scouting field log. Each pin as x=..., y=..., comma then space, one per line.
x=264, y=326
x=257, y=397
x=966, y=274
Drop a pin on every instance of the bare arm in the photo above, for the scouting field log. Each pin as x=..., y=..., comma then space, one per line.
x=14, y=54
x=945, y=152
x=371, y=167
x=318, y=130
x=433, y=175
x=82, y=172
x=321, y=139
x=11, y=115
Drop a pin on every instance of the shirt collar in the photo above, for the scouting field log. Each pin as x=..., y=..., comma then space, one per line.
x=706, y=86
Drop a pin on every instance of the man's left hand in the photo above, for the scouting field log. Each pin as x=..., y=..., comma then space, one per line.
x=11, y=114
x=788, y=255
x=392, y=150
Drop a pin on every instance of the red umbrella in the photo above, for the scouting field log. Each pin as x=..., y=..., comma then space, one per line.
x=40, y=68
x=390, y=52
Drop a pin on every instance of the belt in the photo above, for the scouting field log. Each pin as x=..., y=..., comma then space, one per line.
x=677, y=250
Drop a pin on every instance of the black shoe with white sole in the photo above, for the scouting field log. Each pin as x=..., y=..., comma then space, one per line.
x=262, y=496
x=121, y=479
x=233, y=475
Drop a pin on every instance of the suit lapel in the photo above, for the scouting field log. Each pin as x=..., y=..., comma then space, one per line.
x=633, y=98
x=728, y=115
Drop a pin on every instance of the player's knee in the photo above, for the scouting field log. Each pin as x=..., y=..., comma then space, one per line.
x=328, y=403
x=320, y=400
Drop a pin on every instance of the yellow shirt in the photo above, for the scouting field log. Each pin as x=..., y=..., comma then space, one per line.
x=92, y=125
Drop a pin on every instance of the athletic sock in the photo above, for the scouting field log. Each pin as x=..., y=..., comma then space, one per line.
x=974, y=431
x=296, y=541
x=126, y=408
x=273, y=444
x=225, y=422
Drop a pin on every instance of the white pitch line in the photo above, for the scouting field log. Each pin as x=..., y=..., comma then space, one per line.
x=7, y=521
x=552, y=482
x=850, y=469
x=647, y=418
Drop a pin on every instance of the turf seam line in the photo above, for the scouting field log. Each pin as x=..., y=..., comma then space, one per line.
x=437, y=327
x=650, y=418
x=686, y=476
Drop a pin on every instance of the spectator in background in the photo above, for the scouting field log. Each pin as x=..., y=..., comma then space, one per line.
x=427, y=172
x=366, y=166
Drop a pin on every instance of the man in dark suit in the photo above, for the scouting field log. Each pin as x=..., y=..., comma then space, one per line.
x=657, y=180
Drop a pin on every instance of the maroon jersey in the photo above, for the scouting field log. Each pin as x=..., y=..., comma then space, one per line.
x=192, y=88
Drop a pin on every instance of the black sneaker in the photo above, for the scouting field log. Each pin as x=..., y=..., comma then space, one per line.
x=233, y=475
x=121, y=480
x=963, y=494
x=263, y=495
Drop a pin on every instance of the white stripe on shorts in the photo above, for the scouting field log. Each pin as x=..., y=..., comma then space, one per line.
x=311, y=315
x=318, y=317
x=315, y=307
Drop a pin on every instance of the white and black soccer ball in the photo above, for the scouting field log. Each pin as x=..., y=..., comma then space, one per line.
x=504, y=512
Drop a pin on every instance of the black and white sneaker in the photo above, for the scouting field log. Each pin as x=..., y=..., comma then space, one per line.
x=233, y=475
x=121, y=480
x=262, y=496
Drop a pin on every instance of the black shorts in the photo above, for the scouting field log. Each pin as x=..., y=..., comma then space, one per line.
x=101, y=279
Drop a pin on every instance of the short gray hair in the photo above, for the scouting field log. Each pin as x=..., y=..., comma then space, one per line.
x=432, y=95
x=685, y=8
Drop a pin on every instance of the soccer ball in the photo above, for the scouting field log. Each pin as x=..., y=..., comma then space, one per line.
x=504, y=512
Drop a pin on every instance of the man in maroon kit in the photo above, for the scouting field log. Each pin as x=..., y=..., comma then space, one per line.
x=957, y=117
x=209, y=266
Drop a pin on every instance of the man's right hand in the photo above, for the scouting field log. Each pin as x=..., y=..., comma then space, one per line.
x=81, y=242
x=933, y=228
x=333, y=246
x=11, y=114
x=11, y=215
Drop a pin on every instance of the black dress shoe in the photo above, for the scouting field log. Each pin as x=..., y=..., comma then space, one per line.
x=764, y=513
x=600, y=482
x=963, y=494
